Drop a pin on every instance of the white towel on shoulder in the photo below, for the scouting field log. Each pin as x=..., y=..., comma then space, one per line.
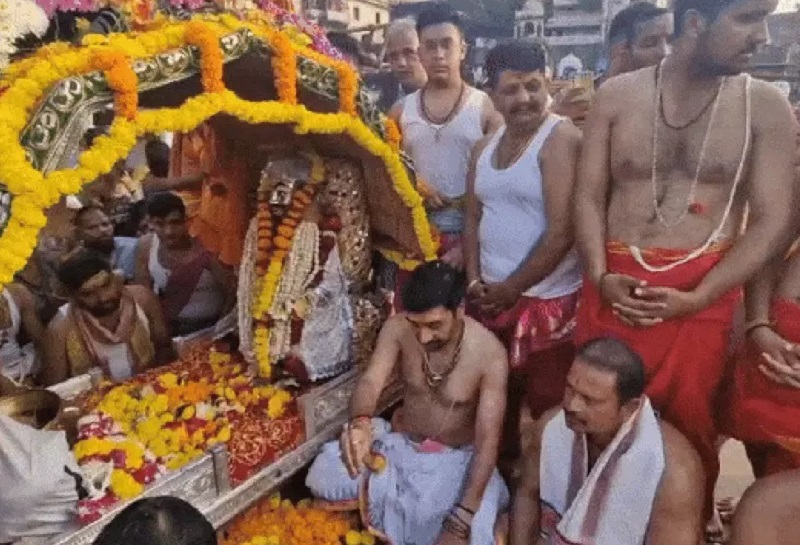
x=612, y=504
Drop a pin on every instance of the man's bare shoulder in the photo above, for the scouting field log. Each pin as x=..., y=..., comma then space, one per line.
x=770, y=109
x=395, y=327
x=141, y=295
x=57, y=328
x=566, y=133
x=22, y=295
x=683, y=472
x=770, y=499
x=485, y=341
x=616, y=92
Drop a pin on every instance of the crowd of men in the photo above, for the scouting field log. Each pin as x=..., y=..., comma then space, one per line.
x=608, y=303
x=622, y=297
x=119, y=304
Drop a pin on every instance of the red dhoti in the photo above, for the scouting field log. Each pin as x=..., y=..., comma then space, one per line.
x=685, y=358
x=763, y=414
x=538, y=336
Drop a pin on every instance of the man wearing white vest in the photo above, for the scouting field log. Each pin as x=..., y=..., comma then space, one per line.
x=604, y=469
x=441, y=123
x=523, y=274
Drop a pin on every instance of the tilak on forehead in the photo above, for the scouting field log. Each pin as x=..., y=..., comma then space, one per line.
x=98, y=280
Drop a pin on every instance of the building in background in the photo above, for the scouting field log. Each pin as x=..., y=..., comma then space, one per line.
x=330, y=14
x=365, y=14
x=571, y=29
x=779, y=60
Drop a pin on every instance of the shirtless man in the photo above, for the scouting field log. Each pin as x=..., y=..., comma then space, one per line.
x=442, y=122
x=769, y=512
x=107, y=325
x=644, y=482
x=638, y=37
x=764, y=407
x=671, y=156
x=440, y=484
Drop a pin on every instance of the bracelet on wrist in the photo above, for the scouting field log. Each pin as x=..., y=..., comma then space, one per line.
x=749, y=328
x=465, y=509
x=355, y=421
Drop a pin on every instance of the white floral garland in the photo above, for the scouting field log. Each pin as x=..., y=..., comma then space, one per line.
x=19, y=18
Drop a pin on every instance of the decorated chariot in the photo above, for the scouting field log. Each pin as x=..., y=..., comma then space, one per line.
x=318, y=186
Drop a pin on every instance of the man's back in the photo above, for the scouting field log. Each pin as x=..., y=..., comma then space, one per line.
x=769, y=512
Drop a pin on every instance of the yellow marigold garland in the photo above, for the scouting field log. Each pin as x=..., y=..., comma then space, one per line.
x=273, y=521
x=25, y=83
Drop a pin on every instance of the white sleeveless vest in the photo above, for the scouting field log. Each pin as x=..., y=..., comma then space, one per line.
x=514, y=218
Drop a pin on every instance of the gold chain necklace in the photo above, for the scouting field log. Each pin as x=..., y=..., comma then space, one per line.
x=435, y=380
x=439, y=126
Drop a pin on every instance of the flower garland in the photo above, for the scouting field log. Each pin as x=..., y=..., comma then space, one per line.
x=146, y=429
x=121, y=79
x=284, y=67
x=393, y=136
x=26, y=83
x=272, y=251
x=273, y=521
x=206, y=39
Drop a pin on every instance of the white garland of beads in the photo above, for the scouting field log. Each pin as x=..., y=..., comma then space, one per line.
x=246, y=292
x=302, y=265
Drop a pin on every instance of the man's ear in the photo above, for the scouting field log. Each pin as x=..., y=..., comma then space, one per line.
x=630, y=407
x=464, y=48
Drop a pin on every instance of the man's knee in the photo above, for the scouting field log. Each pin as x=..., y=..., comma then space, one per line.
x=328, y=477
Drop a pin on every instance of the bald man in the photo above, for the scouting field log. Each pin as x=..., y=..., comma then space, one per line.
x=769, y=513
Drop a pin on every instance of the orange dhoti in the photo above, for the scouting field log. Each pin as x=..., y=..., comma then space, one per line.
x=763, y=414
x=684, y=358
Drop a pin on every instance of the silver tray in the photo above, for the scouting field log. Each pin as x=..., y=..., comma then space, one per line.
x=205, y=484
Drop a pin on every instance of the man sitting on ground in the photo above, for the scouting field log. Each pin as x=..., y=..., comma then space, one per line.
x=195, y=289
x=108, y=325
x=95, y=231
x=439, y=484
x=769, y=513
x=603, y=469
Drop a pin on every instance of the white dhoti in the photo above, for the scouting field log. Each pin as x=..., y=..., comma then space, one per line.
x=410, y=499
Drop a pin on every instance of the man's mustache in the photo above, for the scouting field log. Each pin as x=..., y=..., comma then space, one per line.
x=524, y=108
